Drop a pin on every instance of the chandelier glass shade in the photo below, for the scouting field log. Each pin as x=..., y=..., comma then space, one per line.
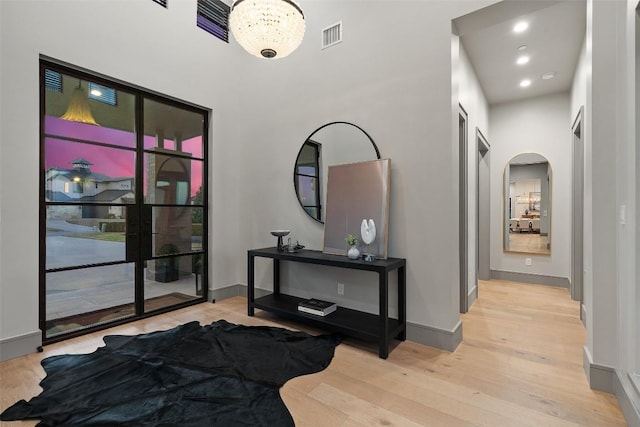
x=78, y=109
x=267, y=28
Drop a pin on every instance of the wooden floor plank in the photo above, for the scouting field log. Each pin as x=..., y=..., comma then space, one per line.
x=520, y=364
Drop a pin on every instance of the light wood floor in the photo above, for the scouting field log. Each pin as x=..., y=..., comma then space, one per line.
x=520, y=364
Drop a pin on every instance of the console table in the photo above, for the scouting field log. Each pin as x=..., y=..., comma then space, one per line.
x=367, y=326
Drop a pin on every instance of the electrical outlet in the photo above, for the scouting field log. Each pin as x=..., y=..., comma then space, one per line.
x=527, y=261
x=340, y=288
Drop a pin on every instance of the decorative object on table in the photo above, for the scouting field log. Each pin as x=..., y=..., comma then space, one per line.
x=280, y=234
x=353, y=251
x=317, y=307
x=267, y=28
x=356, y=191
x=368, y=233
x=293, y=248
x=223, y=374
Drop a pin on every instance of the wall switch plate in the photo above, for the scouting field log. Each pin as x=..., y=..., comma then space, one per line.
x=527, y=261
x=340, y=288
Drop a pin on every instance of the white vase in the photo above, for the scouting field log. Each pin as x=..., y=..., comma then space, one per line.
x=353, y=252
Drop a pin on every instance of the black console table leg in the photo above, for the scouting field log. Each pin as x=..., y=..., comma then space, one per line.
x=276, y=277
x=402, y=297
x=250, y=287
x=383, y=282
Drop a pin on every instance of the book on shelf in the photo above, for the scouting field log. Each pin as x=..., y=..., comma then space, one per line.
x=317, y=307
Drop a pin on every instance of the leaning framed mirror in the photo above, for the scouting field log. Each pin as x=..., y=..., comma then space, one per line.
x=527, y=204
x=331, y=144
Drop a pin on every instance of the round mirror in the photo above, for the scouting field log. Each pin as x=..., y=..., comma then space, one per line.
x=335, y=143
x=527, y=204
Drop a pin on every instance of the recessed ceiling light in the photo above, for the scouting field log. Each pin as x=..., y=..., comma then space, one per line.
x=521, y=48
x=549, y=75
x=520, y=27
x=522, y=60
x=525, y=83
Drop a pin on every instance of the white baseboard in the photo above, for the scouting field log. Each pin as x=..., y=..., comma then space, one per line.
x=435, y=337
x=536, y=279
x=21, y=345
x=628, y=395
x=600, y=377
x=472, y=297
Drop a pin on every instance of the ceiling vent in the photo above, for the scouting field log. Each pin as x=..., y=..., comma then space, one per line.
x=331, y=35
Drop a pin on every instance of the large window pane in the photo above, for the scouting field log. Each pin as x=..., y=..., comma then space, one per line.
x=78, y=172
x=82, y=235
x=172, y=280
x=78, y=299
x=67, y=113
x=176, y=230
x=172, y=129
x=172, y=180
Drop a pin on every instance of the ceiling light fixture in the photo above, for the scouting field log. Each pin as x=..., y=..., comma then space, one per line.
x=525, y=83
x=267, y=28
x=522, y=60
x=520, y=27
x=78, y=109
x=549, y=75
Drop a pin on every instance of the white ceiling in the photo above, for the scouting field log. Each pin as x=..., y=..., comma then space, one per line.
x=554, y=40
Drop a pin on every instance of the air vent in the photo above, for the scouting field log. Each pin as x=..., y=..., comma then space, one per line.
x=331, y=35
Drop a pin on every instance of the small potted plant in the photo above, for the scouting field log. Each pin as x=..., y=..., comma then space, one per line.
x=353, y=251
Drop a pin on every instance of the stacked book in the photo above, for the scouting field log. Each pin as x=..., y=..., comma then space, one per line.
x=317, y=307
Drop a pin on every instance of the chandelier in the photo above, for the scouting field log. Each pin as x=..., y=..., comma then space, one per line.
x=78, y=109
x=267, y=28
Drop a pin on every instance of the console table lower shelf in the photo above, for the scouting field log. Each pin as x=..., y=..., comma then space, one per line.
x=371, y=327
x=350, y=322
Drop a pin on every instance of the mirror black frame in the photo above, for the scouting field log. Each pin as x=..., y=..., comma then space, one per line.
x=319, y=177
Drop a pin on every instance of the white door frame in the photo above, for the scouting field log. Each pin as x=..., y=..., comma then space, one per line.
x=483, y=210
x=463, y=216
x=577, y=209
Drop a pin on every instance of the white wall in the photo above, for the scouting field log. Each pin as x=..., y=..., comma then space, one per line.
x=540, y=125
x=611, y=251
x=153, y=47
x=620, y=295
x=473, y=100
x=602, y=205
x=580, y=92
x=399, y=90
x=627, y=177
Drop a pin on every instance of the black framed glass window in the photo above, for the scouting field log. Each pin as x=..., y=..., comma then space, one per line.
x=123, y=224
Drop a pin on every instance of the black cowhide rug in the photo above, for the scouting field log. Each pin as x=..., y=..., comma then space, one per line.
x=215, y=375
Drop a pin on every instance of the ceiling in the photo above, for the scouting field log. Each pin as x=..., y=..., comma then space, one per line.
x=554, y=41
